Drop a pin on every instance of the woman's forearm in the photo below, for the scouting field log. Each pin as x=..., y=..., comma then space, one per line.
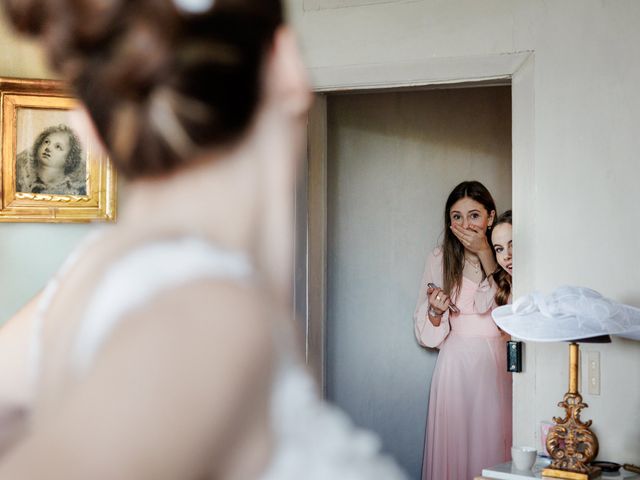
x=488, y=262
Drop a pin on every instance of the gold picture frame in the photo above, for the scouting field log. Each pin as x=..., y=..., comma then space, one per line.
x=53, y=167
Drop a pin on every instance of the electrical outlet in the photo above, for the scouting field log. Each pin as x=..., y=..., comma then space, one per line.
x=593, y=373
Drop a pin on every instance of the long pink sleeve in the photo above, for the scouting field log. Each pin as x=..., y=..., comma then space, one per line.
x=427, y=334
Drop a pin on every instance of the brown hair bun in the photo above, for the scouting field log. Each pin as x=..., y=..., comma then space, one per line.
x=159, y=82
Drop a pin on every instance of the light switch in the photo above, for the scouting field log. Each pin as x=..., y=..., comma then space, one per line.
x=593, y=373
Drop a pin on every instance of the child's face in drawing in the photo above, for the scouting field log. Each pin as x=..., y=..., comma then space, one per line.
x=54, y=150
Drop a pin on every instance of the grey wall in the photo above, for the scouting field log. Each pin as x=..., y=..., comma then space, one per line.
x=29, y=255
x=393, y=158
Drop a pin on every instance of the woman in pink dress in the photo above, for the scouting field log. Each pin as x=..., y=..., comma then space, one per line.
x=469, y=422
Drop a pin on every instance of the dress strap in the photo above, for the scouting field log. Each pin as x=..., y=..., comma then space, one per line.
x=140, y=275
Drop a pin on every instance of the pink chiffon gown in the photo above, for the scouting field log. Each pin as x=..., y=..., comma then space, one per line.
x=469, y=421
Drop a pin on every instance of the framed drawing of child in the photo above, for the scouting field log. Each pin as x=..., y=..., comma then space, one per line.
x=54, y=168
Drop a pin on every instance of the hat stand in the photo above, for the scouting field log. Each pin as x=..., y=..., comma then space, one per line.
x=570, y=442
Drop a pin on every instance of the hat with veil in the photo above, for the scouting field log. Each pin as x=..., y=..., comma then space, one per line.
x=567, y=313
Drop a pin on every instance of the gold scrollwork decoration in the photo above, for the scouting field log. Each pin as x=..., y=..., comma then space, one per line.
x=52, y=198
x=571, y=444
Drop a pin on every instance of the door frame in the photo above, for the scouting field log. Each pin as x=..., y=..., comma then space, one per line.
x=514, y=69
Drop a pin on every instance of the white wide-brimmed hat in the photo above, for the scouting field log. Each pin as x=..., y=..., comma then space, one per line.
x=567, y=313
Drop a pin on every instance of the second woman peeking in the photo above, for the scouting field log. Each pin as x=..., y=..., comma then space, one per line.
x=502, y=240
x=469, y=421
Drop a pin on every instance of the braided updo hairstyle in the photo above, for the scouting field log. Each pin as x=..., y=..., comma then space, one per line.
x=159, y=82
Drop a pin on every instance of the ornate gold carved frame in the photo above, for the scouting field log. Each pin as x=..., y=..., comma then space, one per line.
x=43, y=102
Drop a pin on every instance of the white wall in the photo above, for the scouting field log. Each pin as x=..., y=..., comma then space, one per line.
x=587, y=109
x=392, y=160
x=29, y=252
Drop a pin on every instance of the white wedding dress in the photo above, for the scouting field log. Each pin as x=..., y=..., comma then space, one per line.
x=314, y=440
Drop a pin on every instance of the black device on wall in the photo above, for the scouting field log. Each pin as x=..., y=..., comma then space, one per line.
x=514, y=356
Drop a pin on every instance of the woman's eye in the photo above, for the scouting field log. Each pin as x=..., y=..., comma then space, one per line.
x=498, y=249
x=475, y=216
x=456, y=217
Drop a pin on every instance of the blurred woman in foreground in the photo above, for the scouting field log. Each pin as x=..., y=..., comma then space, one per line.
x=165, y=348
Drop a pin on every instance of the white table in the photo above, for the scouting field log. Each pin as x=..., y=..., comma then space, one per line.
x=505, y=471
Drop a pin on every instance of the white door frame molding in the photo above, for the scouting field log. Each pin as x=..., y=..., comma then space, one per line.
x=419, y=73
x=515, y=69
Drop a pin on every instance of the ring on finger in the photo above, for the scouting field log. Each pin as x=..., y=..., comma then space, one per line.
x=438, y=297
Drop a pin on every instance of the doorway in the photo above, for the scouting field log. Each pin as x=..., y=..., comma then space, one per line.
x=391, y=159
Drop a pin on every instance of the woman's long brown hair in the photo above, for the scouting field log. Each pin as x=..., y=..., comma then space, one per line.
x=502, y=278
x=452, y=249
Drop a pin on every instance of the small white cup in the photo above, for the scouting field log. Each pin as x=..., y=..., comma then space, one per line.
x=523, y=458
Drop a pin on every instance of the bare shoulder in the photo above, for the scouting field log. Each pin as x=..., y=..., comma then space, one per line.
x=16, y=336
x=206, y=317
x=184, y=379
x=20, y=323
x=204, y=348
